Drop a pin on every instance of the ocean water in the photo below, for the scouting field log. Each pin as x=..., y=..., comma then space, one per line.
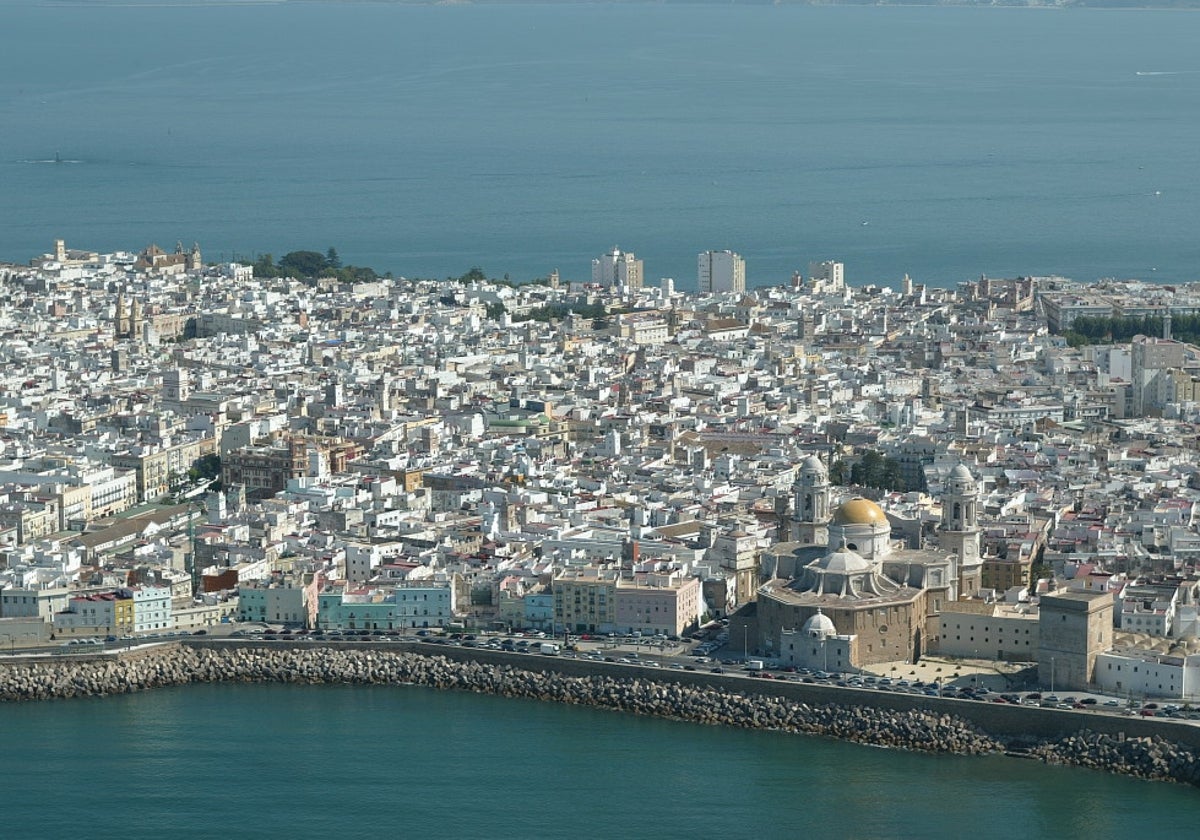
x=424, y=140
x=266, y=761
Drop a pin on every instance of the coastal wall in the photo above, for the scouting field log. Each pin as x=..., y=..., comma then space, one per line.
x=1123, y=745
x=1012, y=723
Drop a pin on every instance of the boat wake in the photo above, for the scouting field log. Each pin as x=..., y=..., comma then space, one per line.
x=51, y=161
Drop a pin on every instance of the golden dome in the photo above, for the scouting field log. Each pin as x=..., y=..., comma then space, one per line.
x=859, y=511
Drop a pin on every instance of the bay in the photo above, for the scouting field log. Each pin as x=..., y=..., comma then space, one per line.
x=267, y=761
x=942, y=142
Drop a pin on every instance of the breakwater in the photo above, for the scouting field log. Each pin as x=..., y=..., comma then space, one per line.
x=911, y=729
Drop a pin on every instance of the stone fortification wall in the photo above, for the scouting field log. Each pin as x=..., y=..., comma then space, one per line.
x=901, y=721
x=919, y=730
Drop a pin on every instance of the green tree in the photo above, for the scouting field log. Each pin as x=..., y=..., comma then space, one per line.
x=877, y=471
x=303, y=263
x=332, y=260
x=356, y=274
x=837, y=472
x=264, y=266
x=208, y=466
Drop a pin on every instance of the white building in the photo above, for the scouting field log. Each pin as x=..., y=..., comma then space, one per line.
x=1001, y=631
x=827, y=276
x=817, y=646
x=152, y=609
x=1144, y=673
x=720, y=271
x=271, y=601
x=1147, y=608
x=645, y=328
x=617, y=268
x=424, y=603
x=407, y=605
x=33, y=603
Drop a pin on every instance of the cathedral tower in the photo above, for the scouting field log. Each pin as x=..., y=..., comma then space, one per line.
x=811, y=505
x=959, y=531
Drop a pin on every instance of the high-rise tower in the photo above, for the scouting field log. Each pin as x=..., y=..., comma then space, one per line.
x=720, y=271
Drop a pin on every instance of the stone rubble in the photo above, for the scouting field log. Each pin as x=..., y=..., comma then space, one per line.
x=920, y=730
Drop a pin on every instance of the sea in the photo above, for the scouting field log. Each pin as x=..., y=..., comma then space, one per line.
x=274, y=761
x=425, y=140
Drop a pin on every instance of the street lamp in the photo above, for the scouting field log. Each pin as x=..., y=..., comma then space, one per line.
x=745, y=642
x=1051, y=674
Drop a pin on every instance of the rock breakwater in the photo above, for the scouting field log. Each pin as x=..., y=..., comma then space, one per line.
x=920, y=729
x=916, y=730
x=1147, y=758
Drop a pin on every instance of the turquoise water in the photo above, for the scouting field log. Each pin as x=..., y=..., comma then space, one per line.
x=427, y=139
x=283, y=761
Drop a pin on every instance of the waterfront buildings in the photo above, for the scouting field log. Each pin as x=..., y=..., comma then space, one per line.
x=849, y=474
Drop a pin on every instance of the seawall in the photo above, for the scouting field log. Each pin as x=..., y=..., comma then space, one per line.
x=889, y=720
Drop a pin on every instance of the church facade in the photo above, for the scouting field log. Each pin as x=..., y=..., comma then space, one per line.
x=877, y=600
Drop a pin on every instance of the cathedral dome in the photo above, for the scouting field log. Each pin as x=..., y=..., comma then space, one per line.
x=961, y=473
x=819, y=625
x=859, y=511
x=844, y=562
x=812, y=466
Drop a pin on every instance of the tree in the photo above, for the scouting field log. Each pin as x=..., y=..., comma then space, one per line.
x=878, y=471
x=264, y=266
x=837, y=472
x=208, y=466
x=332, y=260
x=303, y=263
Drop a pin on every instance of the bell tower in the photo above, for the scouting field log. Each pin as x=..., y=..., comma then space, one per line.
x=810, y=512
x=959, y=531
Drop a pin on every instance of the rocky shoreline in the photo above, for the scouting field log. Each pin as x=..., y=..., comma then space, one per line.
x=919, y=730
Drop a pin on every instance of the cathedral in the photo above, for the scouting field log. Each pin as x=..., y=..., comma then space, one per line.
x=154, y=258
x=129, y=319
x=842, y=587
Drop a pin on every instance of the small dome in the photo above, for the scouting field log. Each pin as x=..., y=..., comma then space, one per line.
x=961, y=473
x=820, y=625
x=844, y=562
x=812, y=466
x=859, y=511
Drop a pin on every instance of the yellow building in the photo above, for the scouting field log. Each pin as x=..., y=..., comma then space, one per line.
x=1003, y=574
x=157, y=466
x=123, y=613
x=1185, y=385
x=585, y=599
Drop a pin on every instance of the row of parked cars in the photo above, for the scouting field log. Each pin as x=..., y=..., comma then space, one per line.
x=707, y=648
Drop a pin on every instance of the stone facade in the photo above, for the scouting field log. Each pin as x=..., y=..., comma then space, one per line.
x=1074, y=627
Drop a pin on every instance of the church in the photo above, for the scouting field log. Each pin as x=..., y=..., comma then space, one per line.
x=842, y=591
